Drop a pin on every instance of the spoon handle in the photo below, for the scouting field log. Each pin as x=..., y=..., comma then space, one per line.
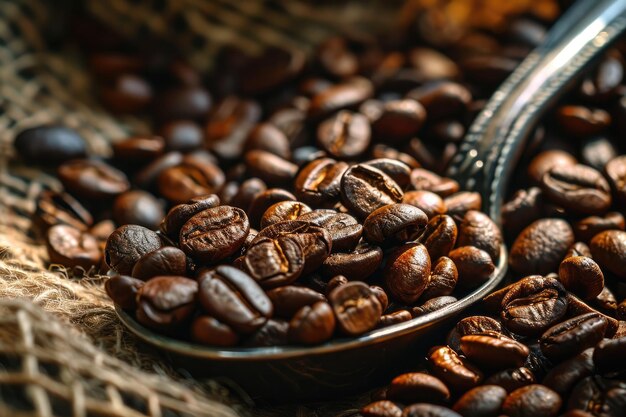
x=494, y=142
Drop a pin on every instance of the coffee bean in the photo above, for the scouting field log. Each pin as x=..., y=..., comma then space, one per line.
x=430, y=203
x=340, y=96
x=147, y=176
x=269, y=138
x=428, y=410
x=165, y=303
x=442, y=280
x=432, y=64
x=602, y=83
x=443, y=99
x=356, y=308
x=609, y=250
x=565, y=375
x=488, y=70
x=546, y=160
x=440, y=236
x=345, y=135
x=52, y=208
x=246, y=192
x=582, y=276
x=451, y=369
x=578, y=249
x=577, y=307
x=396, y=317
x=344, y=229
x=49, y=145
x=474, y=265
x=183, y=182
x=417, y=387
x=356, y=265
x=209, y=331
x=282, y=211
x=512, y=379
x=272, y=333
x=128, y=93
x=483, y=401
x=458, y=204
x=478, y=230
x=138, y=149
x=616, y=172
x=273, y=68
x=138, y=207
x=365, y=189
x=229, y=124
x=540, y=247
x=582, y=122
x=335, y=282
x=532, y=400
x=312, y=324
x=274, y=262
x=399, y=171
x=92, y=180
x=319, y=182
x=621, y=311
x=606, y=302
x=127, y=244
x=182, y=135
x=608, y=356
x=382, y=151
x=524, y=208
x=214, y=234
x=572, y=336
x=394, y=223
x=381, y=409
x=264, y=200
x=407, y=271
x=598, y=396
x=180, y=214
x=167, y=260
x=271, y=168
x=234, y=298
x=422, y=179
x=578, y=188
x=433, y=304
x=289, y=299
x=588, y=227
x=123, y=289
x=399, y=120
x=492, y=350
x=183, y=103
x=471, y=325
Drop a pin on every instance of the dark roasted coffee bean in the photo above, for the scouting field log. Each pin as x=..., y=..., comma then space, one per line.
x=356, y=308
x=540, y=247
x=483, y=401
x=210, y=331
x=93, y=180
x=289, y=299
x=532, y=401
x=546, y=160
x=597, y=152
x=138, y=149
x=246, y=192
x=609, y=250
x=433, y=304
x=599, y=396
x=318, y=183
x=582, y=276
x=572, y=336
x=345, y=135
x=478, y=230
x=442, y=99
x=335, y=282
x=422, y=179
x=127, y=244
x=229, y=124
x=380, y=293
x=533, y=304
x=620, y=311
x=123, y=289
x=269, y=138
x=147, y=176
x=564, y=376
x=191, y=103
x=282, y=211
x=381, y=151
x=512, y=379
x=460, y=203
x=399, y=120
x=271, y=168
x=440, y=236
x=340, y=96
x=428, y=410
x=312, y=324
x=396, y=317
x=488, y=70
x=616, y=173
x=356, y=265
x=165, y=303
x=264, y=200
x=524, y=208
x=274, y=262
x=214, y=234
x=582, y=122
x=407, y=271
x=190, y=179
x=603, y=82
x=399, y=171
x=450, y=368
x=50, y=144
x=344, y=229
x=336, y=59
x=442, y=280
x=394, y=223
x=577, y=307
x=417, y=387
x=588, y=227
x=167, y=260
x=493, y=350
x=608, y=356
x=180, y=214
x=128, y=93
x=365, y=189
x=430, y=203
x=54, y=208
x=182, y=135
x=607, y=303
x=234, y=298
x=273, y=68
x=474, y=265
x=382, y=408
x=578, y=249
x=272, y=333
x=471, y=325
x=578, y=188
x=138, y=207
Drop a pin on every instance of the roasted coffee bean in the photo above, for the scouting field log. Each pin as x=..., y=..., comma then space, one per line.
x=599, y=396
x=582, y=276
x=272, y=333
x=478, y=230
x=148, y=175
x=616, y=173
x=396, y=317
x=432, y=64
x=344, y=229
x=565, y=375
x=229, y=124
x=138, y=149
x=541, y=246
x=356, y=265
x=166, y=303
x=289, y=299
x=182, y=135
x=524, y=208
x=336, y=59
x=49, y=145
x=183, y=103
x=180, y=214
x=335, y=282
x=578, y=249
x=488, y=70
x=399, y=120
x=381, y=408
x=399, y=171
x=312, y=324
x=394, y=223
x=234, y=298
x=127, y=93
x=597, y=152
x=577, y=307
x=608, y=356
x=492, y=350
x=433, y=304
x=340, y=96
x=422, y=179
x=607, y=303
x=483, y=401
x=578, y=188
x=345, y=135
x=365, y=189
x=609, y=250
x=407, y=271
x=92, y=180
x=271, y=168
x=572, y=336
x=442, y=99
x=588, y=227
x=458, y=204
x=442, y=280
x=381, y=295
x=620, y=311
x=246, y=192
x=428, y=410
x=319, y=182
x=210, y=331
x=440, y=236
x=123, y=289
x=603, y=82
x=274, y=262
x=214, y=234
x=546, y=160
x=167, y=260
x=283, y=210
x=269, y=70
x=382, y=151
x=127, y=244
x=356, y=308
x=264, y=200
x=138, y=207
x=190, y=179
x=471, y=325
x=54, y=208
x=582, y=122
x=532, y=401
x=474, y=265
x=451, y=369
x=417, y=387
x=430, y=203
x=512, y=379
x=269, y=138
